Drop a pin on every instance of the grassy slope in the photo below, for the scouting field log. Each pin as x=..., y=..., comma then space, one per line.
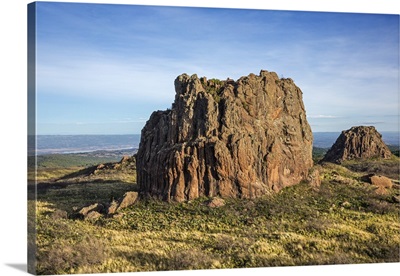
x=389, y=167
x=53, y=166
x=344, y=221
x=71, y=160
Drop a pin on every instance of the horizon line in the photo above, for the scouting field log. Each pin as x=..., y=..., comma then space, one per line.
x=92, y=134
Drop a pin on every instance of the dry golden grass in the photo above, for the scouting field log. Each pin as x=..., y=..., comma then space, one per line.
x=339, y=223
x=343, y=221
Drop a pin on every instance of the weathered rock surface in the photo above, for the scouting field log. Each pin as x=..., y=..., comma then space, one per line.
x=96, y=210
x=357, y=143
x=226, y=138
x=314, y=177
x=215, y=202
x=382, y=183
x=93, y=215
x=128, y=199
x=112, y=209
x=96, y=207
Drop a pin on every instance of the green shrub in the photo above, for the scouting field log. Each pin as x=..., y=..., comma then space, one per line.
x=66, y=257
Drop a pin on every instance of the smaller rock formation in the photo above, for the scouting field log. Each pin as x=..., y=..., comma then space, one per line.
x=361, y=142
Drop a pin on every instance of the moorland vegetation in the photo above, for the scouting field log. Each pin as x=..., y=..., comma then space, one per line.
x=342, y=221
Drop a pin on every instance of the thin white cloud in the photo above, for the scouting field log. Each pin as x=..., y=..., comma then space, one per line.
x=105, y=78
x=372, y=123
x=322, y=116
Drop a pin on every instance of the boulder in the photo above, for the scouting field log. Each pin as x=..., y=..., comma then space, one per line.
x=112, y=209
x=127, y=200
x=93, y=215
x=314, y=178
x=96, y=210
x=215, y=202
x=98, y=207
x=382, y=183
x=239, y=139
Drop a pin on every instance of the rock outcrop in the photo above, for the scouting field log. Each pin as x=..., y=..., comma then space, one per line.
x=128, y=199
x=314, y=177
x=124, y=170
x=382, y=183
x=215, y=202
x=361, y=142
x=97, y=210
x=228, y=138
x=91, y=212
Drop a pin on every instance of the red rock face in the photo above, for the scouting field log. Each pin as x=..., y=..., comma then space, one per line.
x=360, y=142
x=226, y=138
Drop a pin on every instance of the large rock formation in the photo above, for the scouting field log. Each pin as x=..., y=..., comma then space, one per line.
x=357, y=143
x=226, y=138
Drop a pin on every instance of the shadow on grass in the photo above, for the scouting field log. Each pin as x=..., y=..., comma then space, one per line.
x=71, y=196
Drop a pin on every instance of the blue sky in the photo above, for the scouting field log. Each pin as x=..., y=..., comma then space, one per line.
x=103, y=69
